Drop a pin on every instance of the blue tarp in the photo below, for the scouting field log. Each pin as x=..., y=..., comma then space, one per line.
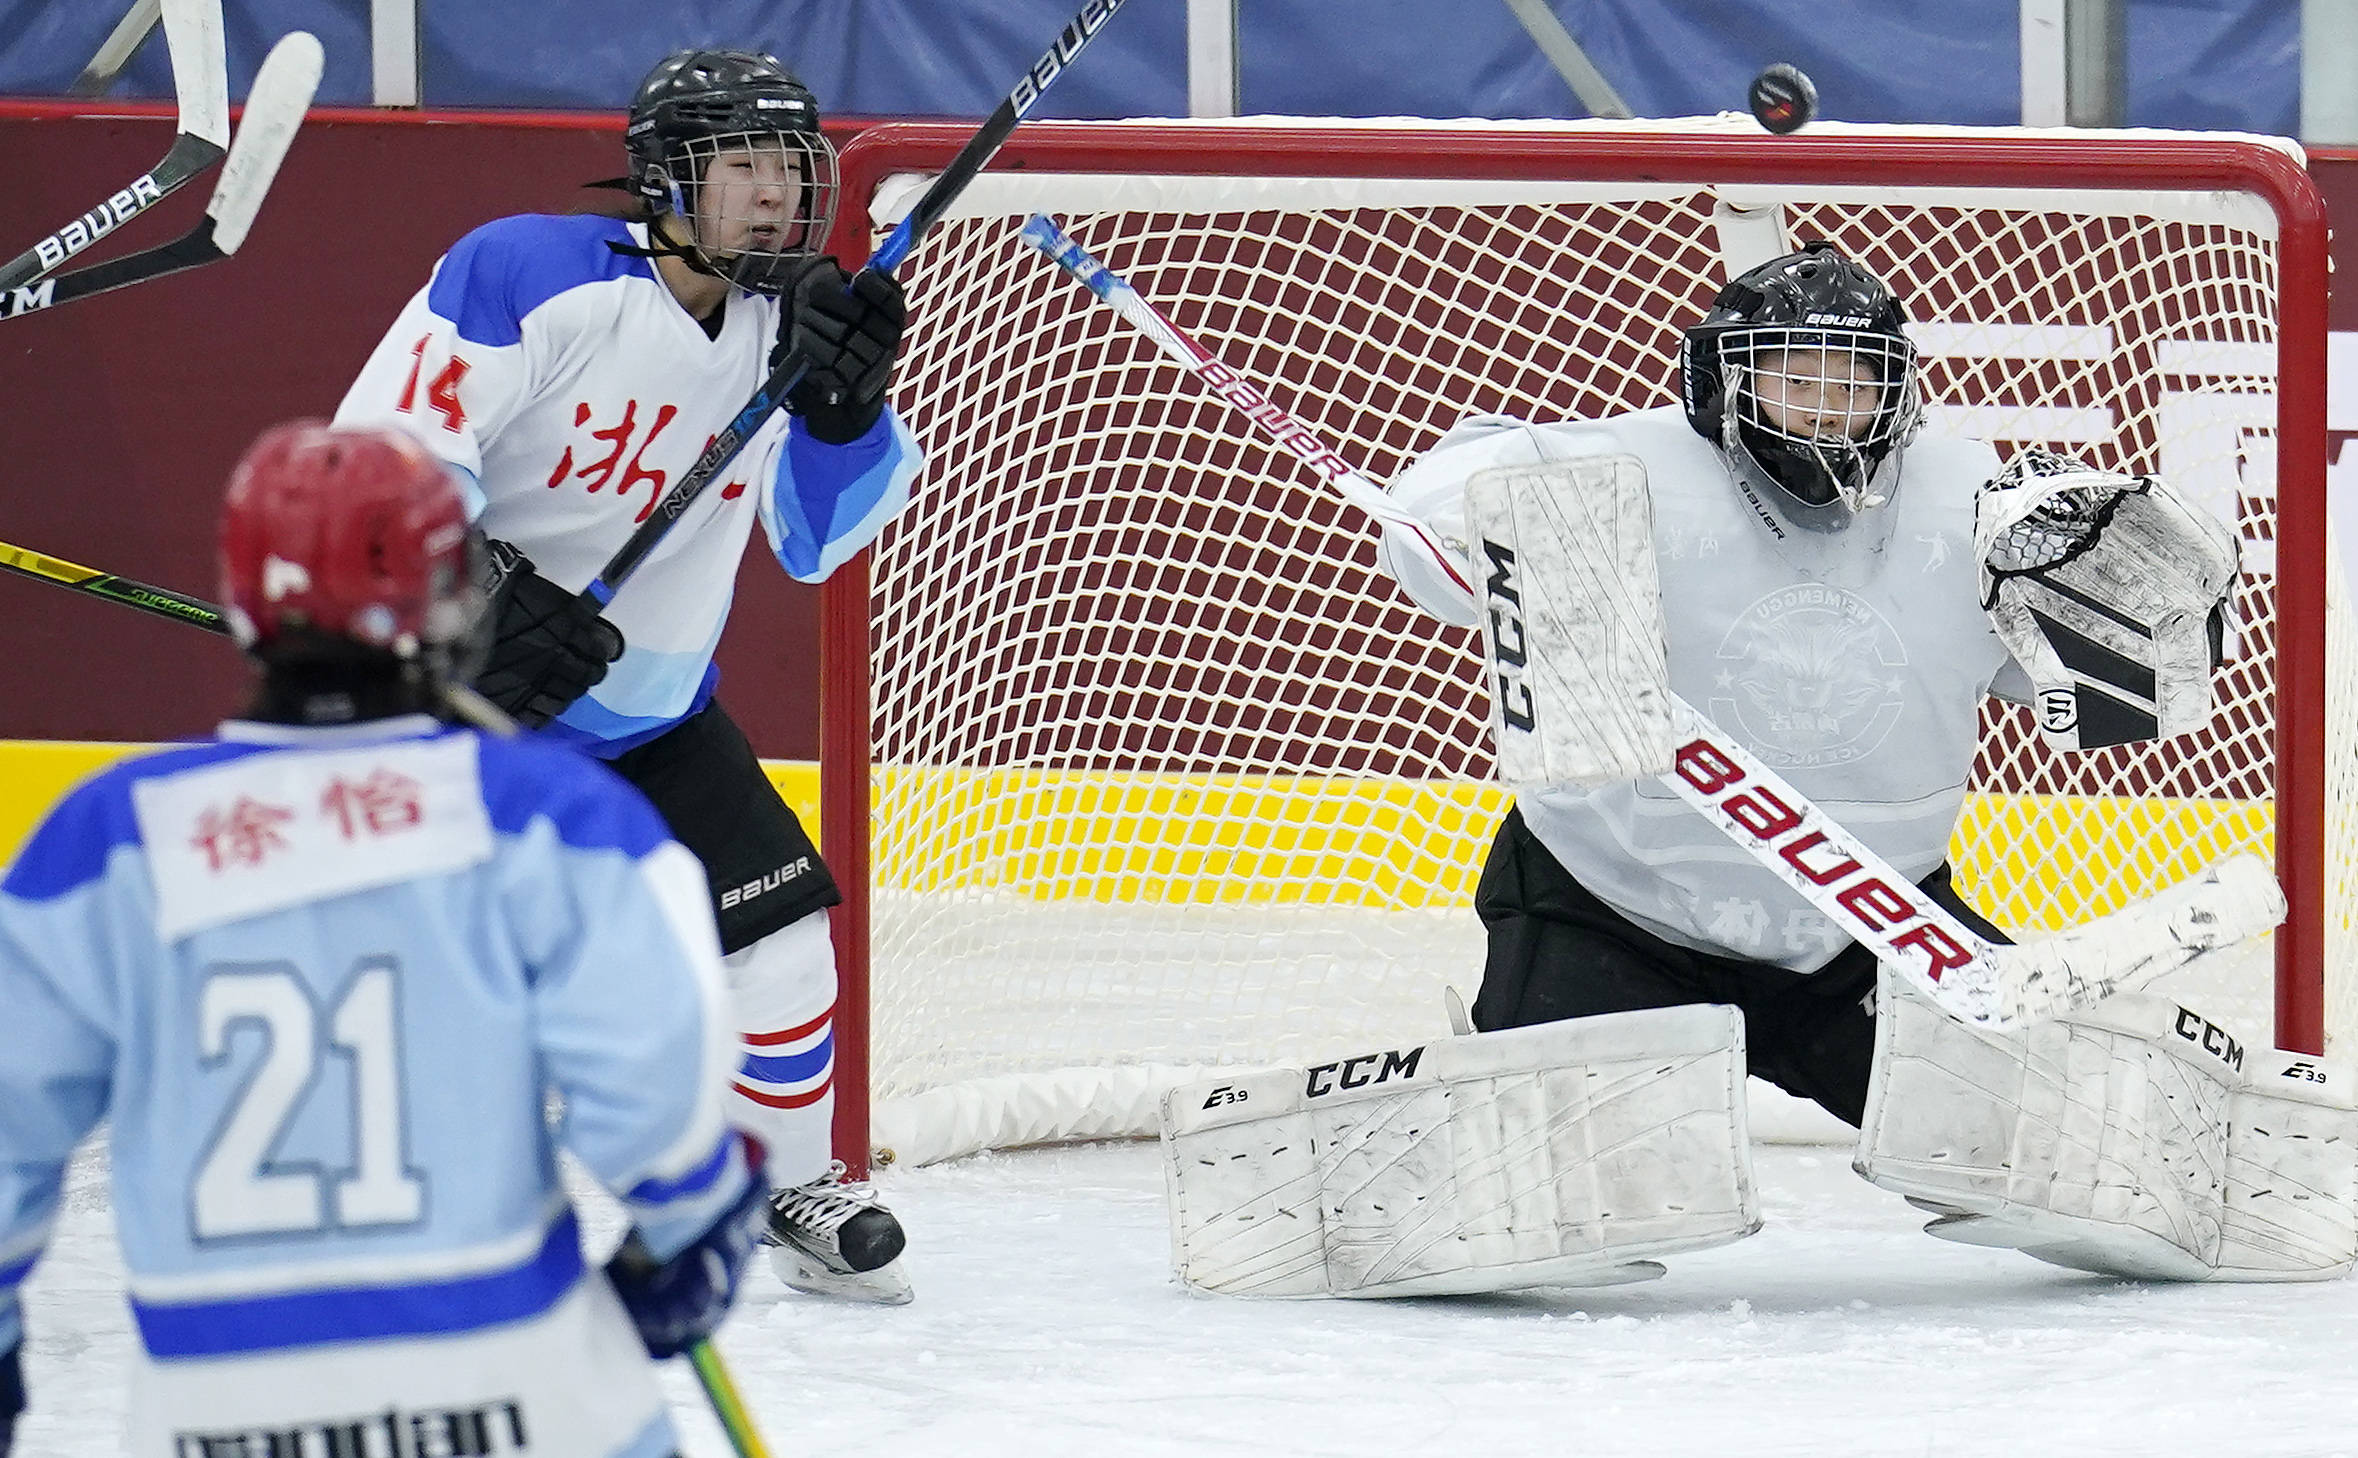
x=2192, y=63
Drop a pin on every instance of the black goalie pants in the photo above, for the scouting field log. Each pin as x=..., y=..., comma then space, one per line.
x=1555, y=951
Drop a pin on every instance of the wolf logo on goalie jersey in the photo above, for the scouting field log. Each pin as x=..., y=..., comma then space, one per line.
x=574, y=368
x=1826, y=647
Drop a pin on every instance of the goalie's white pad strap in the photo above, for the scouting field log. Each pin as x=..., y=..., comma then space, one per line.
x=2126, y=1139
x=1562, y=1154
x=1563, y=553
x=2103, y=587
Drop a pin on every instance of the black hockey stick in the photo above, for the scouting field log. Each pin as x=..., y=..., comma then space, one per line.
x=274, y=112
x=200, y=76
x=889, y=255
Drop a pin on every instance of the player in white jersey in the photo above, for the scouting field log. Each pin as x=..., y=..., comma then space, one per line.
x=320, y=975
x=574, y=368
x=1821, y=602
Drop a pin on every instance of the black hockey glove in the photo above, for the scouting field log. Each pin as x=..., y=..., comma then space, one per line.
x=679, y=1302
x=850, y=327
x=547, y=648
x=12, y=1395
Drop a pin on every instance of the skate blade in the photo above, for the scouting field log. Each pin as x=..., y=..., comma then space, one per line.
x=887, y=1285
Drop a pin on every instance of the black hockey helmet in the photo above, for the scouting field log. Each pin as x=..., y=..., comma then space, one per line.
x=696, y=104
x=1804, y=368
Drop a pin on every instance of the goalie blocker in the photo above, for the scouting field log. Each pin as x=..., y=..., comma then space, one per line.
x=1572, y=631
x=1566, y=1153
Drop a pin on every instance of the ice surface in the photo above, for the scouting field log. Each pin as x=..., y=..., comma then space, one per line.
x=1047, y=1323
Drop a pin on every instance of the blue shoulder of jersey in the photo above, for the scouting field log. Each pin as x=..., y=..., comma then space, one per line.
x=493, y=277
x=71, y=847
x=588, y=805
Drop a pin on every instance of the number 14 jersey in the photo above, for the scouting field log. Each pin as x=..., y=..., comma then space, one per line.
x=566, y=380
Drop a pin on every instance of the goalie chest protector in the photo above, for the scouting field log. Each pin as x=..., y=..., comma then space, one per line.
x=1854, y=662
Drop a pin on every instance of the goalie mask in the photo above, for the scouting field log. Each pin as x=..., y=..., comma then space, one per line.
x=728, y=142
x=1803, y=373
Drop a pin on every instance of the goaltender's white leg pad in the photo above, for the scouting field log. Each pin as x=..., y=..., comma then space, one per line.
x=2130, y=1139
x=2292, y=1171
x=1562, y=1154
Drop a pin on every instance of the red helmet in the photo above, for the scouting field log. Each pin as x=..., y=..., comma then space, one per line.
x=346, y=532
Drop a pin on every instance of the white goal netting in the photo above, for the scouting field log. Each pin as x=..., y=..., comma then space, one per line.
x=1166, y=773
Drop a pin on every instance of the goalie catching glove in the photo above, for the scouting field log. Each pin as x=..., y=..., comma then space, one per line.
x=2111, y=591
x=548, y=647
x=849, y=327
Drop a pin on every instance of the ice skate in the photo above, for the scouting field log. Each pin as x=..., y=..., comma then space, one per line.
x=831, y=1238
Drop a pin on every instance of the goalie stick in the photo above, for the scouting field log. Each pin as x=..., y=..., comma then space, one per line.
x=1967, y=976
x=200, y=78
x=888, y=257
x=274, y=111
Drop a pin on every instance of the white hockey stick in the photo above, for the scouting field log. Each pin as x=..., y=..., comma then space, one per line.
x=200, y=77
x=275, y=108
x=1981, y=983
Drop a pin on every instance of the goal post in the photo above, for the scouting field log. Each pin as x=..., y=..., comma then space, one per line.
x=1134, y=764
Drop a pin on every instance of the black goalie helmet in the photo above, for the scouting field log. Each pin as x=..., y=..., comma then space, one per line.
x=729, y=142
x=1804, y=370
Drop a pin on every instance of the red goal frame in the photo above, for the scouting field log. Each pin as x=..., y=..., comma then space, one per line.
x=1966, y=160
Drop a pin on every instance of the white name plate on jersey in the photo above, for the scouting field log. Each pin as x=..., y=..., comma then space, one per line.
x=277, y=829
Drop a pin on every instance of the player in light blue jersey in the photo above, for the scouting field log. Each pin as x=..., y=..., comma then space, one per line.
x=320, y=975
x=574, y=368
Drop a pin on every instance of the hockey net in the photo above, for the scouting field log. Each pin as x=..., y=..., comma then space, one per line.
x=1161, y=772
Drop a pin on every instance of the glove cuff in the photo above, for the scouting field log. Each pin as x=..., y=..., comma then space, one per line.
x=842, y=424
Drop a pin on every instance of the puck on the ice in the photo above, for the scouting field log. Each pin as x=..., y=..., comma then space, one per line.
x=1783, y=100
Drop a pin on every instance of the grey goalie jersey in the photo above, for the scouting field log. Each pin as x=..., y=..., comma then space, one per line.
x=1853, y=661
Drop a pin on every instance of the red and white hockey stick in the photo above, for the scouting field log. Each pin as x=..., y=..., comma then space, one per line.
x=200, y=77
x=275, y=108
x=1973, y=979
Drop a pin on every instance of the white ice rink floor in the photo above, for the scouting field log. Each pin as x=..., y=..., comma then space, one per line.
x=1047, y=1323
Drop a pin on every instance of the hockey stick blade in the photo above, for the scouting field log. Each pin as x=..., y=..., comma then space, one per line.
x=274, y=113
x=200, y=76
x=887, y=258
x=200, y=68
x=1965, y=975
